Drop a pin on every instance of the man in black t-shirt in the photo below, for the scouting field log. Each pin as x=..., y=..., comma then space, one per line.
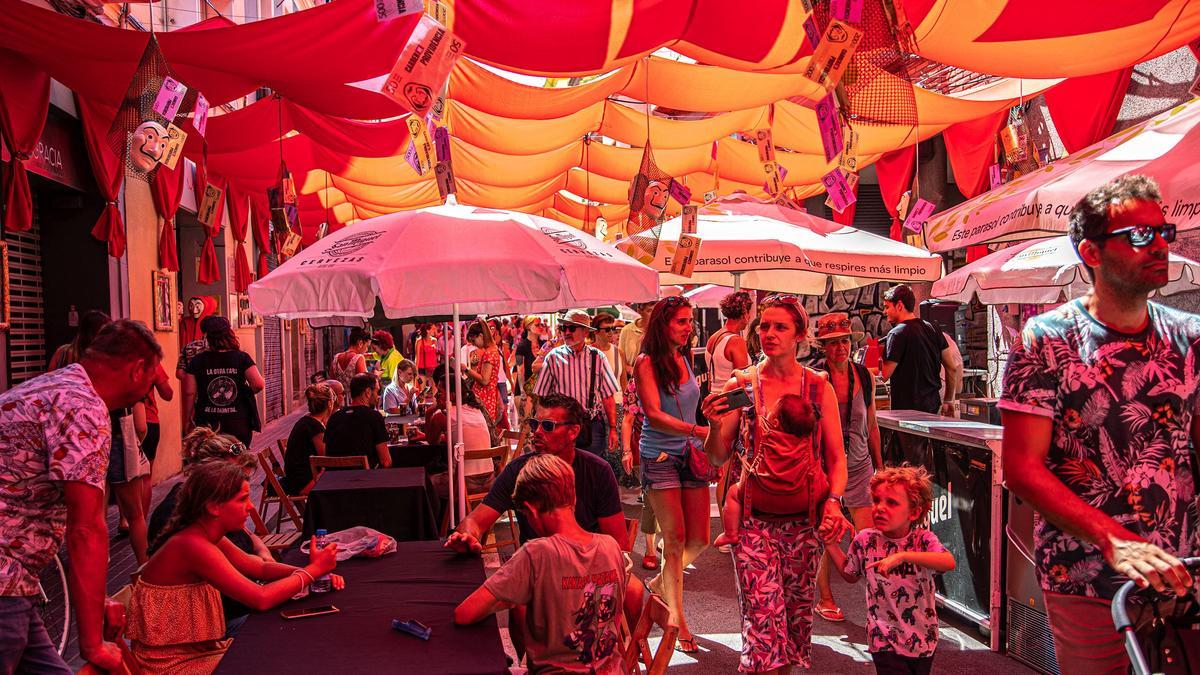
x=359, y=429
x=914, y=356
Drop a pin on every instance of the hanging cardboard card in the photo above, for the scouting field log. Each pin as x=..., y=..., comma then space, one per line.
x=846, y=10
x=423, y=66
x=919, y=214
x=207, y=213
x=841, y=195
x=831, y=127
x=689, y=219
x=774, y=182
x=441, y=143
x=421, y=154
x=440, y=12
x=811, y=31
x=289, y=190
x=832, y=55
x=200, y=120
x=445, y=179
x=994, y=176
x=687, y=251
x=766, y=148
x=679, y=192
x=601, y=228
x=291, y=244
x=902, y=207
x=386, y=10
x=848, y=160
x=169, y=98
x=176, y=139
x=710, y=196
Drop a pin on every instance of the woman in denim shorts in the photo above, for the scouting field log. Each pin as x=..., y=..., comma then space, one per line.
x=669, y=394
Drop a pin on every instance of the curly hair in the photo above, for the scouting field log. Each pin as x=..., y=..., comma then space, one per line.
x=916, y=483
x=736, y=305
x=1090, y=217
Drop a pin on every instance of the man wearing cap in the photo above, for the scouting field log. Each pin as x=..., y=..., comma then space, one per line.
x=580, y=371
x=855, y=389
x=387, y=355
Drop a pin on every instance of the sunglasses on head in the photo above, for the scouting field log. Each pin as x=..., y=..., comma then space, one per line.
x=546, y=425
x=1141, y=235
x=782, y=299
x=237, y=449
x=673, y=300
x=842, y=324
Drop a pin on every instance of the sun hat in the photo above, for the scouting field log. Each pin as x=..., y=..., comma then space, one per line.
x=835, y=325
x=577, y=317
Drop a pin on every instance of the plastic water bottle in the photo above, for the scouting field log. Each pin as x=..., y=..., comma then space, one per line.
x=323, y=584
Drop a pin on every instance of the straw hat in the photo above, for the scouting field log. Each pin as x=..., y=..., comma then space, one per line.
x=577, y=317
x=836, y=325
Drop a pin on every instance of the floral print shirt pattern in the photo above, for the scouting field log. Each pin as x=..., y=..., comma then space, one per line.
x=53, y=429
x=901, y=606
x=1122, y=407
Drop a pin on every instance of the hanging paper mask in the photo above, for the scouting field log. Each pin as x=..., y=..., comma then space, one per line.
x=148, y=146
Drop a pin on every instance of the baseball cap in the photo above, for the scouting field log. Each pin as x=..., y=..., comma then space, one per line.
x=214, y=324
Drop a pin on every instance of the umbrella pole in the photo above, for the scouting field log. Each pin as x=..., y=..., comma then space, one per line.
x=737, y=281
x=459, y=480
x=449, y=445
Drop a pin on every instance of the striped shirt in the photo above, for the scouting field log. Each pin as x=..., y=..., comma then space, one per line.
x=566, y=371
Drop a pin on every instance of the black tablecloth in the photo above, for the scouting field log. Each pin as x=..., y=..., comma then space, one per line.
x=419, y=581
x=393, y=501
x=418, y=455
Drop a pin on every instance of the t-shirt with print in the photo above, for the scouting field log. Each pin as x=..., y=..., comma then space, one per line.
x=596, y=493
x=573, y=594
x=901, y=606
x=223, y=401
x=54, y=429
x=1122, y=406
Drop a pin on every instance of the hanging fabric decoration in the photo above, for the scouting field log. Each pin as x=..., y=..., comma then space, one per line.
x=972, y=150
x=895, y=171
x=140, y=133
x=24, y=102
x=239, y=213
x=106, y=167
x=1084, y=109
x=260, y=212
x=209, y=215
x=648, y=195
x=167, y=190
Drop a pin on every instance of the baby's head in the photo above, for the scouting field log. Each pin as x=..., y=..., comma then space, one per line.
x=794, y=415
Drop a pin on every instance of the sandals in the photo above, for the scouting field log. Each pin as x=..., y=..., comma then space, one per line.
x=832, y=614
x=687, y=645
x=650, y=562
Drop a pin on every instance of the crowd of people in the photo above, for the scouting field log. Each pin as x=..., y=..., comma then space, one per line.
x=1097, y=404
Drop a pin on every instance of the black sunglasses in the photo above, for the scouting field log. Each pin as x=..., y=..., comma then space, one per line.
x=237, y=449
x=672, y=300
x=1141, y=235
x=546, y=425
x=606, y=329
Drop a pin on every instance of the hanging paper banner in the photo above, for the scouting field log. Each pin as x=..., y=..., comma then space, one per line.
x=766, y=149
x=994, y=176
x=846, y=10
x=811, y=31
x=919, y=214
x=423, y=66
x=831, y=127
x=679, y=192
x=200, y=121
x=832, y=55
x=689, y=219
x=207, y=213
x=421, y=154
x=170, y=97
x=848, y=160
x=441, y=143
x=774, y=183
x=445, y=179
x=841, y=195
x=386, y=10
x=176, y=139
x=687, y=251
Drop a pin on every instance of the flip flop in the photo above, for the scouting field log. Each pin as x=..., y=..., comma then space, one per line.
x=687, y=645
x=650, y=562
x=831, y=614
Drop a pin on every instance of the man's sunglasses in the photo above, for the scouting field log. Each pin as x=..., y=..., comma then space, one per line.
x=606, y=329
x=547, y=425
x=1141, y=235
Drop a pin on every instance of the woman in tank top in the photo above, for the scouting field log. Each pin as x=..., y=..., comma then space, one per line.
x=726, y=349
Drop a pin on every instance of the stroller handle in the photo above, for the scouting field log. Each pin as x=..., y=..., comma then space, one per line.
x=1119, y=613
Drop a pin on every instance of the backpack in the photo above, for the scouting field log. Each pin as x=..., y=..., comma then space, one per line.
x=783, y=478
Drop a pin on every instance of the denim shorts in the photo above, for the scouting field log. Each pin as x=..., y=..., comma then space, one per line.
x=672, y=472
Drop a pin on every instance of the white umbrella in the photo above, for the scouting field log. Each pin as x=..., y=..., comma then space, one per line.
x=753, y=250
x=708, y=296
x=1040, y=272
x=451, y=259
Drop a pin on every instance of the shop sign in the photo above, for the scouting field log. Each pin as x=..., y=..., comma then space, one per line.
x=58, y=155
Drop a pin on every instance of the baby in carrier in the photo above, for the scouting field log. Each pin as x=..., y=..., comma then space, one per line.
x=792, y=415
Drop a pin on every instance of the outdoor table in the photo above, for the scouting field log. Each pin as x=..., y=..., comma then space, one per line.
x=421, y=580
x=416, y=454
x=393, y=501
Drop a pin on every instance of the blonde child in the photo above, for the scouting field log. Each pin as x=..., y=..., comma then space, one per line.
x=899, y=561
x=792, y=415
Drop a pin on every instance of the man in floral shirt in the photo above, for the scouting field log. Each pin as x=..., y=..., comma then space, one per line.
x=1098, y=408
x=54, y=448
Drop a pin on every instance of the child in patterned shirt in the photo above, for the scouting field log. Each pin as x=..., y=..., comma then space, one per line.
x=899, y=561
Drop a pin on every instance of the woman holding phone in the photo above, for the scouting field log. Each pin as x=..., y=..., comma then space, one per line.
x=779, y=541
x=668, y=392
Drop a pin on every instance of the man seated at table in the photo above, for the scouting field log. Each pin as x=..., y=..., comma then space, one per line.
x=359, y=429
x=557, y=421
x=573, y=582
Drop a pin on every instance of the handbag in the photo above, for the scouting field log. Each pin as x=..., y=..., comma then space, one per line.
x=698, y=462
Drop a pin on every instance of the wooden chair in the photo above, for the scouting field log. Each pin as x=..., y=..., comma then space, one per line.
x=513, y=439
x=128, y=665
x=631, y=527
x=654, y=614
x=499, y=457
x=276, y=542
x=319, y=463
x=276, y=467
x=274, y=494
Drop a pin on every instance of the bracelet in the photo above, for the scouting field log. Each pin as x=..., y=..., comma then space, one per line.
x=301, y=571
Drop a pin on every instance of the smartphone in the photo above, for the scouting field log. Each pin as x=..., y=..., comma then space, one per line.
x=309, y=611
x=736, y=398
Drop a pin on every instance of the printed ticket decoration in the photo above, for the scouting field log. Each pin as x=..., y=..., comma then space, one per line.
x=444, y=173
x=920, y=213
x=848, y=160
x=766, y=148
x=688, y=224
x=207, y=213
x=994, y=178
x=200, y=119
x=832, y=54
x=386, y=10
x=841, y=193
x=687, y=250
x=176, y=139
x=811, y=31
x=679, y=192
x=846, y=10
x=170, y=97
x=421, y=154
x=775, y=174
x=831, y=127
x=423, y=66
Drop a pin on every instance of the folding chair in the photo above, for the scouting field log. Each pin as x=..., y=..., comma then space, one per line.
x=319, y=463
x=128, y=664
x=513, y=439
x=631, y=527
x=654, y=614
x=273, y=493
x=498, y=455
x=276, y=542
x=276, y=468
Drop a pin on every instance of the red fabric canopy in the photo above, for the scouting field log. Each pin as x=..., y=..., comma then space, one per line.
x=972, y=149
x=847, y=217
x=239, y=213
x=109, y=173
x=262, y=222
x=1084, y=109
x=895, y=170
x=210, y=266
x=24, y=102
x=167, y=190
